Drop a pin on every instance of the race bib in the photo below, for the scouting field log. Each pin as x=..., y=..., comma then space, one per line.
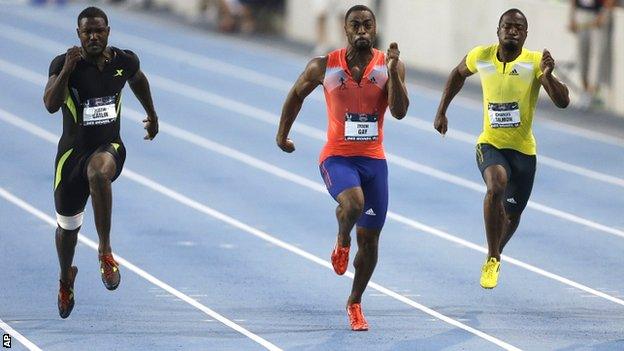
x=504, y=115
x=361, y=127
x=99, y=111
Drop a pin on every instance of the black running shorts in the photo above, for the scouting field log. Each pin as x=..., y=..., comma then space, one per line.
x=71, y=186
x=520, y=173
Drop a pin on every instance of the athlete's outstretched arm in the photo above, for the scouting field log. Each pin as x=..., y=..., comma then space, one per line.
x=454, y=84
x=140, y=88
x=557, y=91
x=311, y=77
x=398, y=100
x=56, y=89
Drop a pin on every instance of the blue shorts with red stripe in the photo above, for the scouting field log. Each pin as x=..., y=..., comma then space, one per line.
x=371, y=174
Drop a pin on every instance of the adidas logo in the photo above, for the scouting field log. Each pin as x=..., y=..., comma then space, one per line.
x=370, y=212
x=513, y=72
x=511, y=200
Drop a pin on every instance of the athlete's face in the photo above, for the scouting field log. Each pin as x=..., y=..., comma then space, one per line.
x=512, y=31
x=93, y=33
x=361, y=29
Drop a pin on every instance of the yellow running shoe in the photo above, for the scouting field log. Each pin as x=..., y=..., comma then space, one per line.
x=489, y=273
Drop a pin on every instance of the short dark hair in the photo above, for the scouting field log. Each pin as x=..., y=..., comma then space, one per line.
x=359, y=8
x=92, y=12
x=514, y=10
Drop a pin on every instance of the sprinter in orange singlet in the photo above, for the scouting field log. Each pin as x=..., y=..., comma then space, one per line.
x=359, y=82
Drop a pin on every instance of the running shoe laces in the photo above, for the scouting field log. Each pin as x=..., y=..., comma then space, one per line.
x=66, y=294
x=109, y=268
x=489, y=273
x=356, y=317
x=340, y=259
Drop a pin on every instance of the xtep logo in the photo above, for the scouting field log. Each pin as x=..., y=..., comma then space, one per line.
x=119, y=73
x=513, y=72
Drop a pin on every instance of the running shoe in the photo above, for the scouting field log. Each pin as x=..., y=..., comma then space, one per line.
x=356, y=317
x=109, y=268
x=66, y=294
x=489, y=273
x=340, y=259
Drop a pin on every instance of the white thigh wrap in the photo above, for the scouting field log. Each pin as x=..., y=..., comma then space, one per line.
x=69, y=223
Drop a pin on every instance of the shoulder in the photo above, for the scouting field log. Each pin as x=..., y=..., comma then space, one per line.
x=483, y=51
x=533, y=55
x=316, y=67
x=126, y=55
x=477, y=54
x=128, y=60
x=58, y=60
x=57, y=64
x=530, y=53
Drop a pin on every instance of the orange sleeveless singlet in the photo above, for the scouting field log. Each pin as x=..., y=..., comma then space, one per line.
x=355, y=111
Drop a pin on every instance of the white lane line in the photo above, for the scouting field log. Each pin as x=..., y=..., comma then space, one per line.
x=545, y=160
x=229, y=152
x=140, y=272
x=249, y=160
x=257, y=113
x=284, y=85
x=127, y=173
x=584, y=133
x=293, y=249
x=268, y=117
x=318, y=187
x=268, y=81
x=259, y=78
x=254, y=77
x=21, y=338
x=259, y=164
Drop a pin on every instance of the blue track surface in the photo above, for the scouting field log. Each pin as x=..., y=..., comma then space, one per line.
x=257, y=276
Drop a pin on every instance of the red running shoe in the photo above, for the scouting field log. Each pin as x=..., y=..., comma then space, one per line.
x=340, y=259
x=66, y=294
x=109, y=268
x=356, y=317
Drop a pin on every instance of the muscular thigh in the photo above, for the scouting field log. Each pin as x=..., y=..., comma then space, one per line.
x=521, y=180
x=71, y=188
x=339, y=173
x=488, y=156
x=71, y=184
x=374, y=173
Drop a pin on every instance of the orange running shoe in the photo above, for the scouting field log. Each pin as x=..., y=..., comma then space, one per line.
x=66, y=294
x=340, y=259
x=356, y=317
x=109, y=268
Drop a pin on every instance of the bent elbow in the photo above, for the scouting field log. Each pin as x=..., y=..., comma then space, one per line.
x=398, y=114
x=564, y=103
x=50, y=107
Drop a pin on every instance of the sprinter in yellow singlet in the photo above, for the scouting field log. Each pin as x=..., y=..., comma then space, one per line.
x=511, y=77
